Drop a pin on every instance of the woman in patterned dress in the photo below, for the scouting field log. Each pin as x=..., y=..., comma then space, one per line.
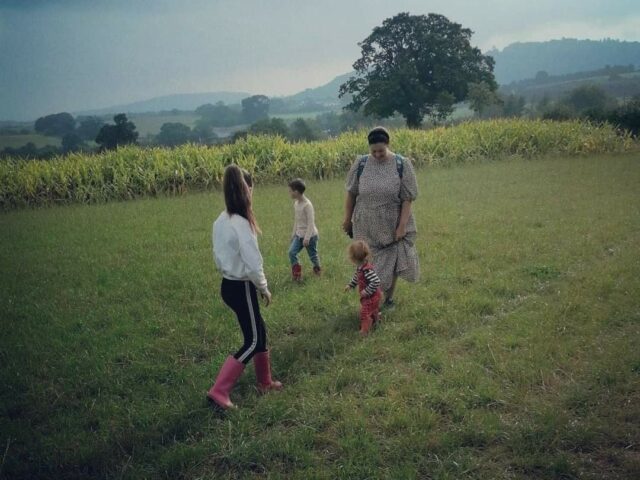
x=380, y=189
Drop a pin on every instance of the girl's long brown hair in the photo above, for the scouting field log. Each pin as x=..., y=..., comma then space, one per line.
x=236, y=185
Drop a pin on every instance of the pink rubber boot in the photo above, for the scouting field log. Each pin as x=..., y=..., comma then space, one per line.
x=262, y=362
x=227, y=378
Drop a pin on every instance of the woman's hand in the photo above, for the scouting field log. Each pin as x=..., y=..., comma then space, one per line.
x=401, y=232
x=266, y=296
x=405, y=213
x=349, y=205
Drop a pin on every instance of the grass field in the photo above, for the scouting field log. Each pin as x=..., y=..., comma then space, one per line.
x=516, y=356
x=16, y=141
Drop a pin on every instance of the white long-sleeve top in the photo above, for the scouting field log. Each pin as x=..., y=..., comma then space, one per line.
x=236, y=252
x=304, y=225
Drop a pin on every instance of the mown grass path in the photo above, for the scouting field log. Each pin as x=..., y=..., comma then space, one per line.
x=516, y=356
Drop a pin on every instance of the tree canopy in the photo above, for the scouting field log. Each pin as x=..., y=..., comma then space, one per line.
x=218, y=115
x=301, y=131
x=57, y=124
x=255, y=108
x=122, y=133
x=481, y=96
x=89, y=127
x=270, y=126
x=173, y=134
x=417, y=66
x=587, y=97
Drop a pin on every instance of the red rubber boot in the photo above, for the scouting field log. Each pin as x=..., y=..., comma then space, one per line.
x=365, y=324
x=296, y=272
x=227, y=377
x=262, y=363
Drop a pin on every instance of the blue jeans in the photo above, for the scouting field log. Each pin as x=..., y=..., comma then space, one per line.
x=297, y=246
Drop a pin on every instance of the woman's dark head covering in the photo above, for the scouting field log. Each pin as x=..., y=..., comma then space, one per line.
x=378, y=135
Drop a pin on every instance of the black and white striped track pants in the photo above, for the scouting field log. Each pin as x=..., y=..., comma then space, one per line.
x=242, y=297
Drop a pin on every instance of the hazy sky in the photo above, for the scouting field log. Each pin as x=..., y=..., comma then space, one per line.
x=70, y=55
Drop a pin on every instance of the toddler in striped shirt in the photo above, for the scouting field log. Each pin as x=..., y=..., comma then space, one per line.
x=368, y=283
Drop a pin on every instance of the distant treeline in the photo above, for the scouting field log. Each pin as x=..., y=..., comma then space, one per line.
x=589, y=102
x=543, y=77
x=621, y=82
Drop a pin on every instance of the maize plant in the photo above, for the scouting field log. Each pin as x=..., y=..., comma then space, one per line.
x=132, y=172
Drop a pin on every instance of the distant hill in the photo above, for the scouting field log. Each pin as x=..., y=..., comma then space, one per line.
x=183, y=101
x=520, y=61
x=327, y=93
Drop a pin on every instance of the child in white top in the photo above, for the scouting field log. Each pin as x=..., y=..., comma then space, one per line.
x=305, y=232
x=237, y=256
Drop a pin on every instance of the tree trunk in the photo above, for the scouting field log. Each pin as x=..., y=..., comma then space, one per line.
x=413, y=119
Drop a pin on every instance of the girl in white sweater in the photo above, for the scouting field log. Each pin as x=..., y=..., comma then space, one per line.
x=237, y=256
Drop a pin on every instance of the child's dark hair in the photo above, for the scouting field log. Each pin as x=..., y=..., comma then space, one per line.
x=297, y=185
x=237, y=196
x=247, y=178
x=359, y=251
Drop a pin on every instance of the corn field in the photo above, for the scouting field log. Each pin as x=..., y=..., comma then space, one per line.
x=132, y=172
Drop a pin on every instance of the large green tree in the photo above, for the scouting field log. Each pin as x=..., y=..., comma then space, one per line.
x=122, y=133
x=270, y=126
x=89, y=127
x=255, y=108
x=71, y=142
x=416, y=65
x=203, y=134
x=301, y=131
x=586, y=97
x=481, y=96
x=218, y=115
x=173, y=134
x=57, y=125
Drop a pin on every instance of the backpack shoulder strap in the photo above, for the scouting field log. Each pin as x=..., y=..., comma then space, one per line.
x=361, y=163
x=400, y=165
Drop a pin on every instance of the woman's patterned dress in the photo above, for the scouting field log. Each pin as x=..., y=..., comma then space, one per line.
x=379, y=194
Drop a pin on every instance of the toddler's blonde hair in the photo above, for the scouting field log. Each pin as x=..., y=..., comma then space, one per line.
x=359, y=251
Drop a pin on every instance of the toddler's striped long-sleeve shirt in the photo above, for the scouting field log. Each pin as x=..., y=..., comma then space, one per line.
x=368, y=279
